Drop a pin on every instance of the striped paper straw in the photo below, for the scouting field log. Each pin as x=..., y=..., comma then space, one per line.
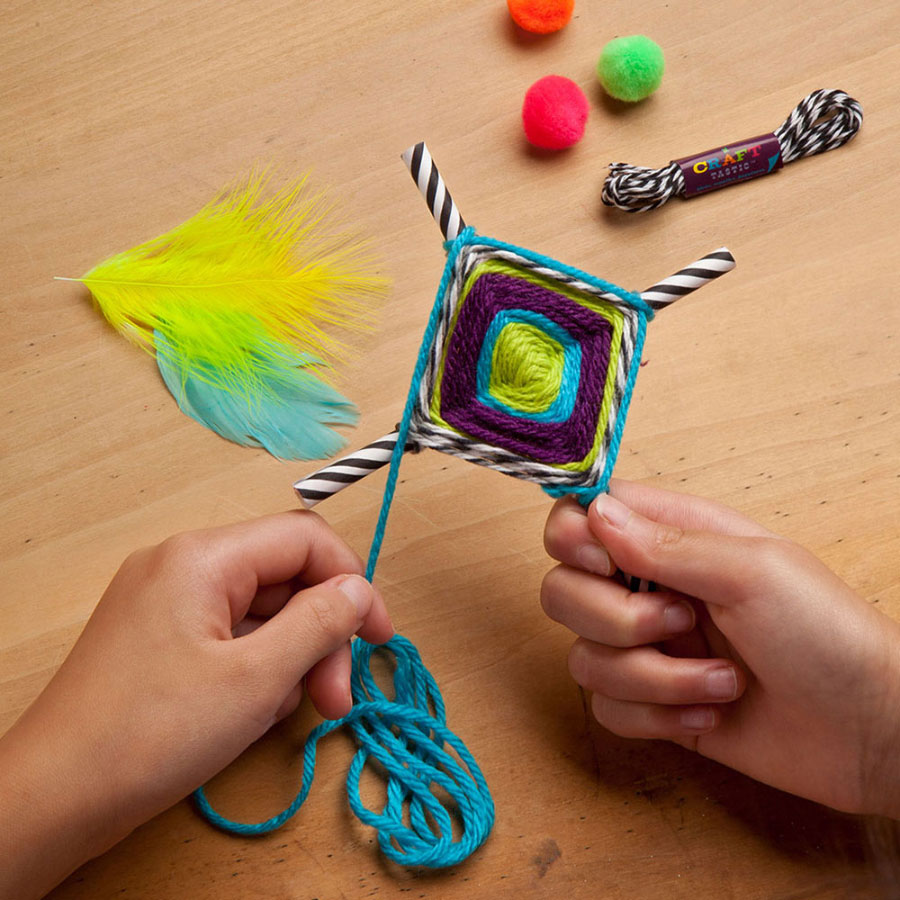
x=689, y=278
x=638, y=585
x=346, y=471
x=343, y=472
x=428, y=179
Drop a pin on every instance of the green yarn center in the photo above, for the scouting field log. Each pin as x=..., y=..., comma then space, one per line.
x=526, y=368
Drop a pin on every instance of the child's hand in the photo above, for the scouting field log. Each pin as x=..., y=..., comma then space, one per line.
x=197, y=647
x=755, y=654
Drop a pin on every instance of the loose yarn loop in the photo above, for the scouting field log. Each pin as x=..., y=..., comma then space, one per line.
x=824, y=120
x=408, y=736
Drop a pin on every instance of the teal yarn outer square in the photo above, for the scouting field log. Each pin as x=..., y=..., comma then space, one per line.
x=465, y=254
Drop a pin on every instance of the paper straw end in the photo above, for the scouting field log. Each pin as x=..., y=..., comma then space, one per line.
x=727, y=257
x=305, y=501
x=407, y=154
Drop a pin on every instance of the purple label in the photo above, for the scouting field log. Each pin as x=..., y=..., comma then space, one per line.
x=723, y=166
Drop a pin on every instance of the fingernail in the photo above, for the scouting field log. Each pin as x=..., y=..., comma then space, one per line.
x=698, y=719
x=721, y=683
x=359, y=592
x=616, y=513
x=678, y=618
x=593, y=558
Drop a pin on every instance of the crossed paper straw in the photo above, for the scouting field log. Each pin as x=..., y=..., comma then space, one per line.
x=433, y=189
x=336, y=476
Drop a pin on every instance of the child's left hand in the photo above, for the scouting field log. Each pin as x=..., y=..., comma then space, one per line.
x=197, y=648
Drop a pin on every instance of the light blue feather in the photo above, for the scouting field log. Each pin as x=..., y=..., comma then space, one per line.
x=290, y=421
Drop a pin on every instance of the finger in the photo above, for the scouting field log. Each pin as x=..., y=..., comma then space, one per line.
x=328, y=684
x=717, y=645
x=270, y=598
x=313, y=624
x=377, y=628
x=717, y=568
x=290, y=702
x=247, y=625
x=607, y=612
x=281, y=546
x=273, y=549
x=692, y=645
x=569, y=539
x=651, y=721
x=684, y=510
x=645, y=675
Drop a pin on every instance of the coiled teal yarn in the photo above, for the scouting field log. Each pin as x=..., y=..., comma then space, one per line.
x=408, y=736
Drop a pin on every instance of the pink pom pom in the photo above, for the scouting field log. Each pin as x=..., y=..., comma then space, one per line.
x=554, y=113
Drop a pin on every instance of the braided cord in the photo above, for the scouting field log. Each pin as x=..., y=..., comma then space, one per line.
x=824, y=120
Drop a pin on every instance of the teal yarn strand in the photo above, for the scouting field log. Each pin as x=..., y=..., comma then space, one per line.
x=561, y=407
x=452, y=248
x=407, y=735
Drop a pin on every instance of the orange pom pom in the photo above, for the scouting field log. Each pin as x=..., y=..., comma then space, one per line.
x=541, y=16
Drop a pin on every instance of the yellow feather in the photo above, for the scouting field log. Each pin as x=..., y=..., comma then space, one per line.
x=255, y=278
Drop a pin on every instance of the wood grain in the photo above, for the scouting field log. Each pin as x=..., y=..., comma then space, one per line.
x=776, y=391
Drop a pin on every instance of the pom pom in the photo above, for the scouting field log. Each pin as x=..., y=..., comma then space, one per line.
x=554, y=113
x=631, y=68
x=541, y=16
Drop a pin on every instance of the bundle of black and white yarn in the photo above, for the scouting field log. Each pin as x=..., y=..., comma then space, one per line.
x=824, y=120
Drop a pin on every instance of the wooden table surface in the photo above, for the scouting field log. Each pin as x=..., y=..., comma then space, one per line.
x=776, y=391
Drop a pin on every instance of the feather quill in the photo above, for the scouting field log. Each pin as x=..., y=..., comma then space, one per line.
x=238, y=305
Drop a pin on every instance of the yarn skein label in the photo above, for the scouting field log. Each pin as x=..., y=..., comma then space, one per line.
x=723, y=166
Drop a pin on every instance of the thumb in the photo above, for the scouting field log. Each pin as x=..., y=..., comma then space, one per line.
x=715, y=567
x=312, y=624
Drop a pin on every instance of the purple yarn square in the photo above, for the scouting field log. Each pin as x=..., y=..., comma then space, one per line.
x=552, y=443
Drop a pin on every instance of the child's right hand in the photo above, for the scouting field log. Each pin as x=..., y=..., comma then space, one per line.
x=755, y=655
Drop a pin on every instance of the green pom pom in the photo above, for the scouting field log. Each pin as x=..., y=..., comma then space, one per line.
x=631, y=68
